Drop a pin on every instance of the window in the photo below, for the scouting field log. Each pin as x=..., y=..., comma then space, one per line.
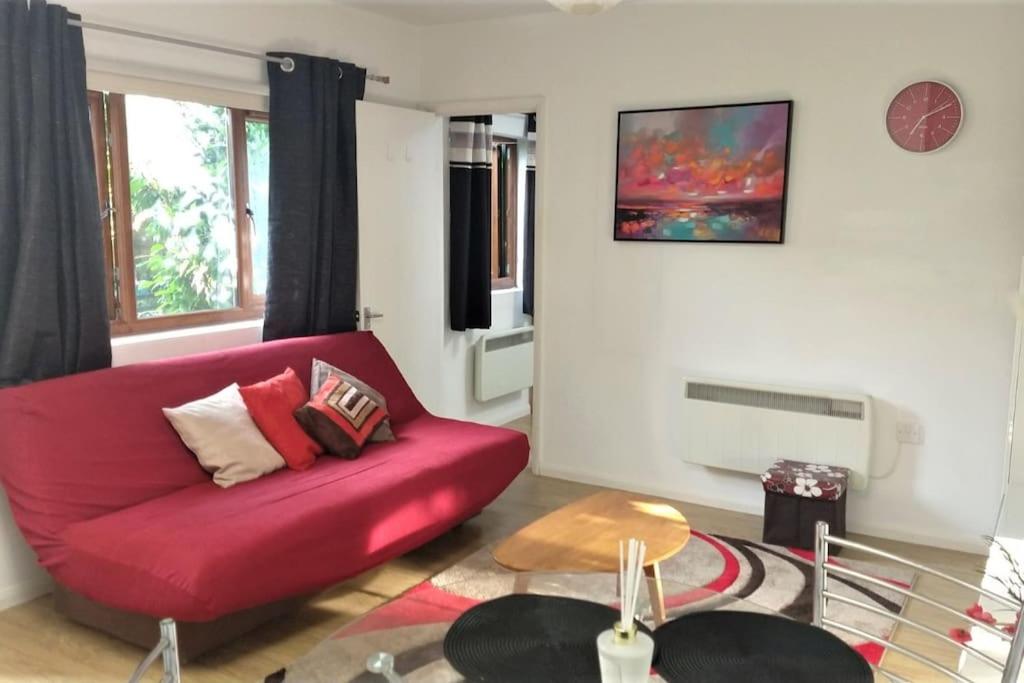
x=504, y=222
x=184, y=191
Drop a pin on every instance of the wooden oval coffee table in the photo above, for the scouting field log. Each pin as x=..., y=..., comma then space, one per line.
x=584, y=537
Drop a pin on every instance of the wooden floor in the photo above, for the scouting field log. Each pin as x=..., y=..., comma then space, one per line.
x=37, y=645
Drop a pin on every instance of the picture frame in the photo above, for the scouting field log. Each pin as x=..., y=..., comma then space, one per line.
x=710, y=173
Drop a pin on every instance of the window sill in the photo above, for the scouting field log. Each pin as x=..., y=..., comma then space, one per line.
x=129, y=340
x=186, y=321
x=506, y=290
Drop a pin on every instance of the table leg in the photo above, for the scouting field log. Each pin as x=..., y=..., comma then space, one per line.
x=521, y=583
x=655, y=592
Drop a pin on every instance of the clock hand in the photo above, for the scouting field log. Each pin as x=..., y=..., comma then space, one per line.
x=919, y=122
x=947, y=105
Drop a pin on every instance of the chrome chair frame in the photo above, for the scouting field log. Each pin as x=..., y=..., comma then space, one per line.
x=1010, y=668
x=167, y=649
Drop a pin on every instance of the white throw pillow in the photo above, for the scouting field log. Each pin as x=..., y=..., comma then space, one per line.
x=228, y=444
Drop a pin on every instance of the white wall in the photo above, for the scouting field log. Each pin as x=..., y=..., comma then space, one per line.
x=146, y=347
x=896, y=269
x=116, y=62
x=21, y=578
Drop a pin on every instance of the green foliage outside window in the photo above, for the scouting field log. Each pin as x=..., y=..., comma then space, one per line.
x=183, y=214
x=257, y=137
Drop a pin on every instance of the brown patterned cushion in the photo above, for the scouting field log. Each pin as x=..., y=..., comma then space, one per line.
x=321, y=371
x=341, y=417
x=806, y=479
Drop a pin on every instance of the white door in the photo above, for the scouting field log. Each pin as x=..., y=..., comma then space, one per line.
x=401, y=239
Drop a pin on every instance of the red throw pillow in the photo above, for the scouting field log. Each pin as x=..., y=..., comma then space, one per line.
x=341, y=417
x=272, y=405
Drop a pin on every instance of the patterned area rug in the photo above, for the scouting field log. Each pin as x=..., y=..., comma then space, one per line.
x=765, y=577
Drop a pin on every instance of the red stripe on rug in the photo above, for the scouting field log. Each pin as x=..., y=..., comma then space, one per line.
x=730, y=572
x=422, y=604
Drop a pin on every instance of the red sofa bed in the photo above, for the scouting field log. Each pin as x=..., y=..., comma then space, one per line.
x=120, y=513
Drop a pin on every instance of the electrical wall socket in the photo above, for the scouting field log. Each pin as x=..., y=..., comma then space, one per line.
x=908, y=431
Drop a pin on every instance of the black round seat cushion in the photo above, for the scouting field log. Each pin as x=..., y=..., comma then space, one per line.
x=730, y=647
x=528, y=639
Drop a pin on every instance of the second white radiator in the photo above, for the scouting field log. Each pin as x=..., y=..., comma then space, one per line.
x=746, y=427
x=503, y=363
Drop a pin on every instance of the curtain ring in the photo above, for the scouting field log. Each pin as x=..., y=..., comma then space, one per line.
x=341, y=72
x=288, y=65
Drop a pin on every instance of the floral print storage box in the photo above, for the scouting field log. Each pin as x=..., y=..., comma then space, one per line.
x=797, y=495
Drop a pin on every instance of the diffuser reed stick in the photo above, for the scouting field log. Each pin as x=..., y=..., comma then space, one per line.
x=631, y=568
x=624, y=653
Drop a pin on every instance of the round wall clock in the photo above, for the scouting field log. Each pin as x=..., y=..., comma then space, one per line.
x=924, y=116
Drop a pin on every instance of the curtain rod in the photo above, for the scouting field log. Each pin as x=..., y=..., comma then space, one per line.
x=287, y=63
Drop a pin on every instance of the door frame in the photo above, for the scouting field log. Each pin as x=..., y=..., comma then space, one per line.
x=506, y=105
x=1013, y=457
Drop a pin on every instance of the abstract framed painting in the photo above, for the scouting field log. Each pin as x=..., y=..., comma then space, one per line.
x=703, y=174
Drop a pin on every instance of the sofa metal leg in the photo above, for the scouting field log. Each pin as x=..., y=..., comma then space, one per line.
x=383, y=664
x=167, y=649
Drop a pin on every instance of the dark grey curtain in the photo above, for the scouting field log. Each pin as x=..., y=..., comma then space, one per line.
x=313, y=224
x=53, y=308
x=531, y=201
x=469, y=192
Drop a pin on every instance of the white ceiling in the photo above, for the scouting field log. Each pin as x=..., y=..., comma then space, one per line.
x=433, y=12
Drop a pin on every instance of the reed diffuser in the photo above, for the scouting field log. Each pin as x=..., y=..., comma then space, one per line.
x=626, y=653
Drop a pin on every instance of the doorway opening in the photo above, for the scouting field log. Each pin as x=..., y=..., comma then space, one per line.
x=495, y=358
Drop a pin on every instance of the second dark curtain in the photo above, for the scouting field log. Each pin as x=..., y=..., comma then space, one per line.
x=531, y=211
x=53, y=308
x=469, y=193
x=313, y=221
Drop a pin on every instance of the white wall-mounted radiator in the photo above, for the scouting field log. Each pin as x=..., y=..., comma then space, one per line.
x=504, y=363
x=746, y=427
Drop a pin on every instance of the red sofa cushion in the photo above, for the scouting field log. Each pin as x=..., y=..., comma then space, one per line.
x=272, y=404
x=201, y=552
x=78, y=448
